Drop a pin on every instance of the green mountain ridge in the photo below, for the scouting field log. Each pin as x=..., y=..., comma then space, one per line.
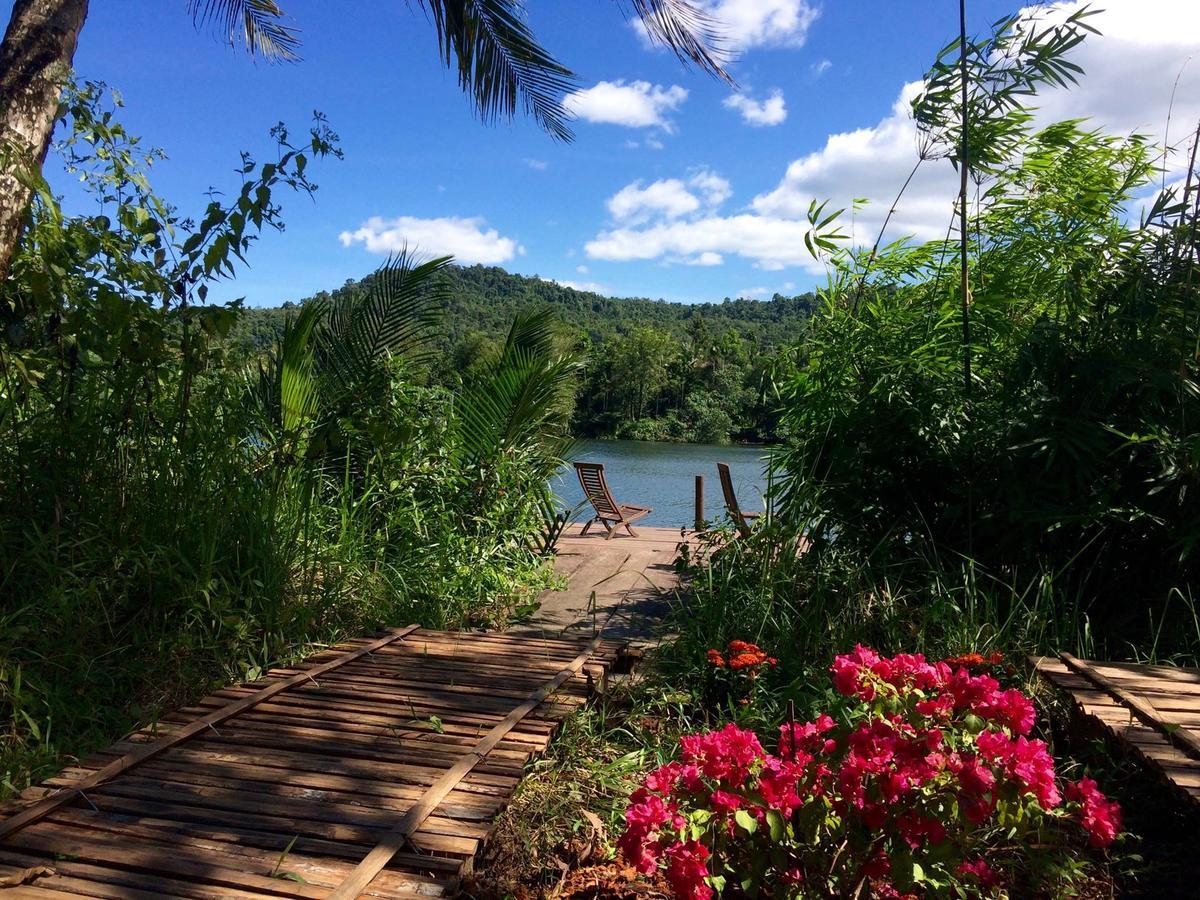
x=652, y=369
x=485, y=298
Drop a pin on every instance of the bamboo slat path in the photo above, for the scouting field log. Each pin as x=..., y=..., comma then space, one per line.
x=372, y=769
x=1152, y=711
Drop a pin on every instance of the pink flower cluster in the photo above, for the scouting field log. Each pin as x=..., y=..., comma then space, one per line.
x=921, y=764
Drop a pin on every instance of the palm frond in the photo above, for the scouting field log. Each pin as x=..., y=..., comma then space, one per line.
x=686, y=30
x=500, y=63
x=297, y=379
x=395, y=317
x=258, y=24
x=515, y=406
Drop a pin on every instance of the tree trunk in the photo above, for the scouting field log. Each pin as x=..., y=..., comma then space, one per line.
x=35, y=61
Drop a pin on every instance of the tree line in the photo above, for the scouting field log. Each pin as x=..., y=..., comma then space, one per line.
x=650, y=369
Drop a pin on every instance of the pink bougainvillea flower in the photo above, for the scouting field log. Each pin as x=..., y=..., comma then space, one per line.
x=1099, y=816
x=980, y=871
x=687, y=869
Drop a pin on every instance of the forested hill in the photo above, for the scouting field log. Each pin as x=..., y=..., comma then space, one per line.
x=653, y=370
x=484, y=299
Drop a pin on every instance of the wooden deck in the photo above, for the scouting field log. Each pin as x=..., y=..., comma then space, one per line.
x=1152, y=711
x=620, y=588
x=372, y=769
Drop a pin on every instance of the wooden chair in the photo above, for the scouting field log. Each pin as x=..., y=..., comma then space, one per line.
x=742, y=520
x=609, y=512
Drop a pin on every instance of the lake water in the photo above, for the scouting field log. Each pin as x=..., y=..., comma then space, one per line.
x=663, y=476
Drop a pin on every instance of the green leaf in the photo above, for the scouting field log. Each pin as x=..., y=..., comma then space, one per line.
x=746, y=821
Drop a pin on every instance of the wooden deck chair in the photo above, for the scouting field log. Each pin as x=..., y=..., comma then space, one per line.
x=742, y=520
x=609, y=512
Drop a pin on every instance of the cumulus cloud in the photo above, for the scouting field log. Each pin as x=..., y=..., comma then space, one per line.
x=467, y=240
x=763, y=23
x=1130, y=69
x=669, y=198
x=638, y=104
x=759, y=113
x=772, y=243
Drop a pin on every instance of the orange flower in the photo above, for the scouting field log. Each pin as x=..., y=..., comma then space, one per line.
x=977, y=659
x=715, y=658
x=742, y=647
x=748, y=659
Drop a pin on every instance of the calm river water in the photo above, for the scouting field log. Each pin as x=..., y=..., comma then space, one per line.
x=663, y=476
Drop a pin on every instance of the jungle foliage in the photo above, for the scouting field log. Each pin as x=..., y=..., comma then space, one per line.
x=174, y=515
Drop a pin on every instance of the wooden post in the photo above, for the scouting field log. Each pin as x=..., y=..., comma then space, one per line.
x=699, y=502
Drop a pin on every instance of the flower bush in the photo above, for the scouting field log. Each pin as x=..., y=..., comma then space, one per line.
x=923, y=781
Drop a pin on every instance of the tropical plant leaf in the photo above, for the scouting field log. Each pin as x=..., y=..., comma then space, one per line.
x=395, y=316
x=686, y=30
x=500, y=63
x=297, y=379
x=258, y=24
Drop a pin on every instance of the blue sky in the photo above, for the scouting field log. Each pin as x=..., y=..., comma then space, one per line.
x=671, y=189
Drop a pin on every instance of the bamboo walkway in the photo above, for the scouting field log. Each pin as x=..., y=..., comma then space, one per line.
x=620, y=588
x=372, y=769
x=1152, y=711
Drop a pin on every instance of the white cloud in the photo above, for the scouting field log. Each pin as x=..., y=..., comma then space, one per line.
x=590, y=286
x=638, y=104
x=537, y=164
x=669, y=198
x=771, y=243
x=770, y=111
x=1130, y=70
x=763, y=23
x=754, y=293
x=820, y=67
x=582, y=270
x=467, y=240
x=1131, y=67
x=715, y=189
x=707, y=258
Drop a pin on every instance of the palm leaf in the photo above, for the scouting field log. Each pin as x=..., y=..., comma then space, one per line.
x=500, y=63
x=256, y=23
x=686, y=30
x=514, y=406
x=395, y=316
x=297, y=380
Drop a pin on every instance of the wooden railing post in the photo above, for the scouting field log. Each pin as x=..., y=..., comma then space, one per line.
x=699, y=502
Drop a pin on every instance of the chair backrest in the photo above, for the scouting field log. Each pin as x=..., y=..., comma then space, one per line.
x=731, y=501
x=595, y=488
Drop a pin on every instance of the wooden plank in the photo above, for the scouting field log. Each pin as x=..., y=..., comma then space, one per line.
x=42, y=807
x=1181, y=737
x=382, y=854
